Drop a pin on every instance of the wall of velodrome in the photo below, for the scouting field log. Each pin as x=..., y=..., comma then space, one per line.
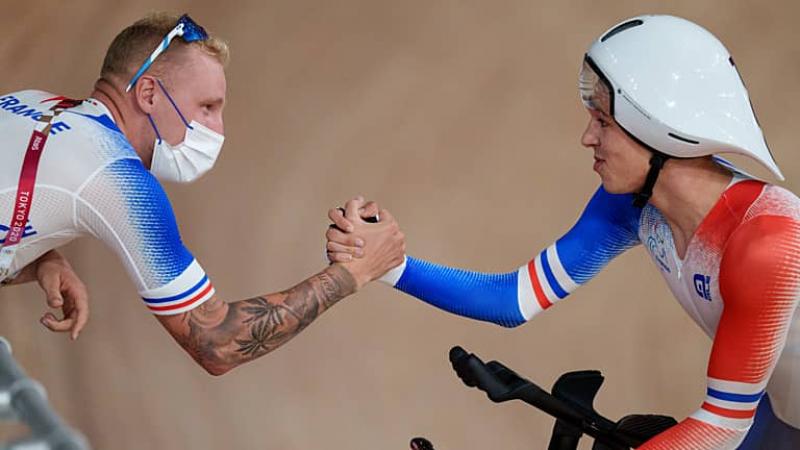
x=460, y=117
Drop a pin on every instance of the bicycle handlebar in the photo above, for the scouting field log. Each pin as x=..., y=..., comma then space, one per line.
x=571, y=405
x=502, y=384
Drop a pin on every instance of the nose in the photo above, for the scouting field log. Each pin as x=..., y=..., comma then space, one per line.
x=215, y=123
x=590, y=137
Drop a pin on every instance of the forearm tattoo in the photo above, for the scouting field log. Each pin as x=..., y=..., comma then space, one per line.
x=222, y=335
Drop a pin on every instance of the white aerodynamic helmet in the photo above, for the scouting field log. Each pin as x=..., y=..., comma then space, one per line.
x=673, y=86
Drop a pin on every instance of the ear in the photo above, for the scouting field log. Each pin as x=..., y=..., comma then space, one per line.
x=144, y=93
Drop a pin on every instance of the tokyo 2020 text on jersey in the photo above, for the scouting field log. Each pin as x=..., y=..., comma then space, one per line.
x=92, y=182
x=739, y=280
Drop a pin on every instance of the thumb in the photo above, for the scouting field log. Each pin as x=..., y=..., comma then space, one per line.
x=51, y=284
x=352, y=207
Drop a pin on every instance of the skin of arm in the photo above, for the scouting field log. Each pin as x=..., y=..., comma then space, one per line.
x=221, y=336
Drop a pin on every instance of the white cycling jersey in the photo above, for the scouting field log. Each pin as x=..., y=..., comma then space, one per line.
x=92, y=182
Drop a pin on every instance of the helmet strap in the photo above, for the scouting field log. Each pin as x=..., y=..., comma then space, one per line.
x=656, y=164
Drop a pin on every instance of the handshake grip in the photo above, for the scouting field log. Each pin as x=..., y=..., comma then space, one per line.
x=392, y=276
x=370, y=219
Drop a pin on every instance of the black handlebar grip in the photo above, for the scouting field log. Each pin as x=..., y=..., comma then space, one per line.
x=475, y=373
x=420, y=443
x=457, y=353
x=460, y=360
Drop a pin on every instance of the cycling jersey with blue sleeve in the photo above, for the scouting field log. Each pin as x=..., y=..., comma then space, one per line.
x=607, y=227
x=739, y=280
x=91, y=182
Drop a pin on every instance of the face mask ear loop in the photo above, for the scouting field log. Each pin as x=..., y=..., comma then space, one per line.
x=155, y=128
x=174, y=105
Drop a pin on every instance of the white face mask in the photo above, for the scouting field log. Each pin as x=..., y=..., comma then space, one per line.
x=191, y=158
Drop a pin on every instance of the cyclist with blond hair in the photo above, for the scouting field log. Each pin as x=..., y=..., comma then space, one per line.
x=94, y=167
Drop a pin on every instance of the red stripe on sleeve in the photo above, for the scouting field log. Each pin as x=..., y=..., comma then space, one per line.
x=729, y=413
x=537, y=287
x=182, y=304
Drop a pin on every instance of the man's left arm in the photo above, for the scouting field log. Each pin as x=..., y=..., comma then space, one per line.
x=759, y=282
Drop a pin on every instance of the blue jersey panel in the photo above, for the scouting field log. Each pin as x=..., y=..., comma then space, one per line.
x=488, y=297
x=608, y=226
x=150, y=214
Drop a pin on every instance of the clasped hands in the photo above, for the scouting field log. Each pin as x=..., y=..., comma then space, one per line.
x=365, y=239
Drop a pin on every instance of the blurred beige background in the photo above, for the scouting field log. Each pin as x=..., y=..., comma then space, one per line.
x=463, y=118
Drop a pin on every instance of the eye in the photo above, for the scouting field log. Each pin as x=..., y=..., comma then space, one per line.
x=603, y=123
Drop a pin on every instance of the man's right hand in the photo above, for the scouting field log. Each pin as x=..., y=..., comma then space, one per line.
x=366, y=250
x=65, y=291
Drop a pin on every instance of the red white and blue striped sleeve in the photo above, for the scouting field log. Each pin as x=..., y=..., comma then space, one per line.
x=608, y=226
x=543, y=282
x=186, y=292
x=759, y=283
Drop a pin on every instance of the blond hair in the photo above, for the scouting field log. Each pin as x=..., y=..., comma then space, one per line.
x=133, y=46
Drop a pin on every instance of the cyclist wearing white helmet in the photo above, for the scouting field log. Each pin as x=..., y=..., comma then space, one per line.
x=664, y=97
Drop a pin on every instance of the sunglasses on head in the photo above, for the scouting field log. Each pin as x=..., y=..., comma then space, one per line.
x=186, y=28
